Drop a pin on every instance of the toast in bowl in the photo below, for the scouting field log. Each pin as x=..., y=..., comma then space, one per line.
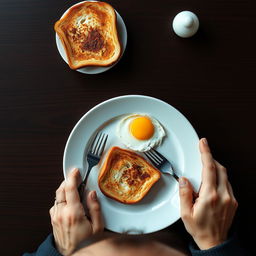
x=88, y=32
x=126, y=176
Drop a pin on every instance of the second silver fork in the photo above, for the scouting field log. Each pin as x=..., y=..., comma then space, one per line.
x=160, y=162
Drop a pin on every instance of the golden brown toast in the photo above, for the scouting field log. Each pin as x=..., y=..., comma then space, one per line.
x=126, y=176
x=88, y=32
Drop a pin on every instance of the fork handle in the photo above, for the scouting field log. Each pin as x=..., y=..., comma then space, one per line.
x=82, y=186
x=81, y=189
x=175, y=177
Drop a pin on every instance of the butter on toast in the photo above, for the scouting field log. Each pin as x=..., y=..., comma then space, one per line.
x=88, y=32
x=126, y=176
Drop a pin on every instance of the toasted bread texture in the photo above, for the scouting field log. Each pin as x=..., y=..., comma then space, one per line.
x=88, y=32
x=126, y=176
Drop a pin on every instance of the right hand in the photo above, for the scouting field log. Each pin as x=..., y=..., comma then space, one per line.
x=209, y=217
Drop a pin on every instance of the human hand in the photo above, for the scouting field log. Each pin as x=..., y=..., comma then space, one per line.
x=70, y=225
x=209, y=217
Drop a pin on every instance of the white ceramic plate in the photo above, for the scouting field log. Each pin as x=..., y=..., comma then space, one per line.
x=160, y=207
x=122, y=32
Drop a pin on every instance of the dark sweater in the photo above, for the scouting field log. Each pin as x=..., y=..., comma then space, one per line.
x=228, y=248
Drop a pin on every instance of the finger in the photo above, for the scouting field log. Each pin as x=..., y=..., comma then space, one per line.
x=203, y=146
x=230, y=189
x=72, y=182
x=95, y=212
x=235, y=203
x=60, y=193
x=186, y=197
x=209, y=168
x=225, y=188
x=222, y=177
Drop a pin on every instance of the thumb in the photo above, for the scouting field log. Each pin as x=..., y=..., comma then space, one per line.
x=186, y=197
x=95, y=212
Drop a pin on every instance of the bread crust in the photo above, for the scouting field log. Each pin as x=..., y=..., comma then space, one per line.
x=126, y=176
x=88, y=32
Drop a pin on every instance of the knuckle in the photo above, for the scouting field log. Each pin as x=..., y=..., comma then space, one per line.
x=223, y=169
x=235, y=203
x=53, y=223
x=185, y=216
x=227, y=199
x=59, y=219
x=71, y=219
x=211, y=166
x=214, y=197
x=54, y=220
x=51, y=211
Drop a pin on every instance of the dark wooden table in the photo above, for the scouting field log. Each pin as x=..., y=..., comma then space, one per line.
x=210, y=78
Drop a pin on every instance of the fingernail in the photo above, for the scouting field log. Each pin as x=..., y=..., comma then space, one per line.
x=205, y=141
x=182, y=182
x=94, y=196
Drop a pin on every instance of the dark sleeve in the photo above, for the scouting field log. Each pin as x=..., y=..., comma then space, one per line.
x=47, y=248
x=230, y=247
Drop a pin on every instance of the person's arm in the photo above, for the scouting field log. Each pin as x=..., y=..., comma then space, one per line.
x=230, y=247
x=208, y=217
x=47, y=248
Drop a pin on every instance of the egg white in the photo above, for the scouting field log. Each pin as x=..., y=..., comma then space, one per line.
x=123, y=132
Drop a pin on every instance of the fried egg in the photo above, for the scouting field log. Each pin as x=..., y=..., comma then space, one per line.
x=140, y=132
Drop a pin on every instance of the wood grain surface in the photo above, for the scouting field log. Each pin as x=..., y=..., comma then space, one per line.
x=210, y=78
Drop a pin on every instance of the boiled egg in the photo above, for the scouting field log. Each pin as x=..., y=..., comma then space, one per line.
x=140, y=132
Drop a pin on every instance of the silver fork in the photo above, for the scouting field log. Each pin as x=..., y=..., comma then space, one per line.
x=93, y=157
x=160, y=162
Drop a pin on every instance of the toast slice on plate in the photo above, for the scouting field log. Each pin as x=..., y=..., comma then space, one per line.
x=126, y=176
x=88, y=32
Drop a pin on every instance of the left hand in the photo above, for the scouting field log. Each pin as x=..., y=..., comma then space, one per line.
x=70, y=224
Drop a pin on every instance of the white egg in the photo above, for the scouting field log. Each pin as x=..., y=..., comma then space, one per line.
x=140, y=132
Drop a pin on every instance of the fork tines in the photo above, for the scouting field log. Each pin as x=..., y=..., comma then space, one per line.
x=159, y=155
x=98, y=144
x=154, y=157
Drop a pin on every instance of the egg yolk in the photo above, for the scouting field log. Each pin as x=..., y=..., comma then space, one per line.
x=142, y=128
